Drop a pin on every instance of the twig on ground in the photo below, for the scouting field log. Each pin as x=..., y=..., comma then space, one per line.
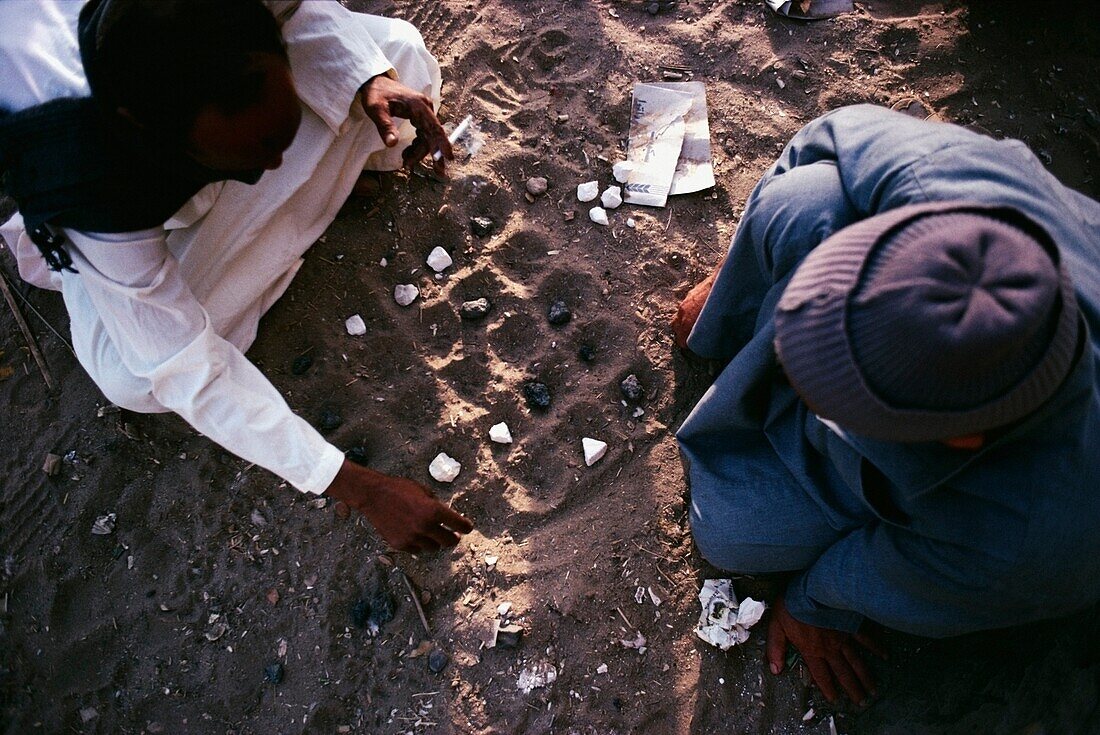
x=416, y=601
x=27, y=334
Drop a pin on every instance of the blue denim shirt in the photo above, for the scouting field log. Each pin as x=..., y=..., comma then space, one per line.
x=960, y=541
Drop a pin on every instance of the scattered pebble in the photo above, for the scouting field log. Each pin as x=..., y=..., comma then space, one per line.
x=594, y=450
x=482, y=226
x=474, y=310
x=355, y=325
x=809, y=715
x=439, y=260
x=631, y=388
x=87, y=714
x=500, y=434
x=599, y=216
x=444, y=468
x=631, y=223
x=257, y=518
x=437, y=660
x=274, y=673
x=536, y=394
x=621, y=171
x=536, y=185
x=504, y=608
x=330, y=419
x=272, y=596
x=105, y=525
x=558, y=313
x=405, y=293
x=52, y=465
x=588, y=191
x=612, y=197
x=601, y=669
x=538, y=674
x=301, y=364
x=587, y=353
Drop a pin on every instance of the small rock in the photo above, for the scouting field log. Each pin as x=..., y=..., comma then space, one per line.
x=500, y=434
x=105, y=525
x=594, y=450
x=538, y=674
x=482, y=226
x=274, y=673
x=570, y=215
x=474, y=310
x=444, y=468
x=52, y=465
x=621, y=171
x=601, y=669
x=588, y=191
x=405, y=293
x=87, y=714
x=301, y=364
x=318, y=503
x=599, y=216
x=330, y=419
x=612, y=197
x=536, y=185
x=631, y=388
x=358, y=455
x=257, y=518
x=558, y=313
x=504, y=608
x=437, y=661
x=355, y=325
x=587, y=353
x=439, y=260
x=272, y=596
x=536, y=394
x=631, y=223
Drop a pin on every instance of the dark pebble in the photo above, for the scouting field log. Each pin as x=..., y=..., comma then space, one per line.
x=617, y=703
x=274, y=673
x=474, y=310
x=437, y=661
x=482, y=226
x=358, y=455
x=587, y=353
x=330, y=419
x=301, y=364
x=375, y=608
x=631, y=388
x=536, y=394
x=559, y=313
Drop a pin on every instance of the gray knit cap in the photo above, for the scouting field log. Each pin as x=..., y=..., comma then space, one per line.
x=928, y=322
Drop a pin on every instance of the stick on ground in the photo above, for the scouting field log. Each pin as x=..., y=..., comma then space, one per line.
x=27, y=335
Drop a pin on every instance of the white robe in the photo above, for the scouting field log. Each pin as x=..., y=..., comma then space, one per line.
x=161, y=318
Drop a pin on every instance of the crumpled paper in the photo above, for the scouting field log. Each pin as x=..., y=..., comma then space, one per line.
x=811, y=9
x=724, y=622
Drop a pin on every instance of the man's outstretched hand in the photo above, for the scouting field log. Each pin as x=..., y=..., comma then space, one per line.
x=403, y=512
x=830, y=655
x=384, y=99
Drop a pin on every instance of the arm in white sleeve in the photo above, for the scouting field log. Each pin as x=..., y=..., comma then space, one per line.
x=330, y=57
x=163, y=334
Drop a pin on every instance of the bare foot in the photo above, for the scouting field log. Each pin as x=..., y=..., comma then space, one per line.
x=690, y=308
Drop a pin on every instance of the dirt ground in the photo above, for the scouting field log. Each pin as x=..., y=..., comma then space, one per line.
x=217, y=570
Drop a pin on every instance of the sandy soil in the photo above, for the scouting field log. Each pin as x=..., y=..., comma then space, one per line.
x=167, y=625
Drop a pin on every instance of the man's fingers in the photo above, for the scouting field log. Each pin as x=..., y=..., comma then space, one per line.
x=387, y=129
x=860, y=668
x=415, y=151
x=871, y=645
x=453, y=520
x=777, y=645
x=848, y=679
x=819, y=672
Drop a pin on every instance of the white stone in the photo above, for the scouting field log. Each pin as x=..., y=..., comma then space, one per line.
x=355, y=325
x=383, y=262
x=631, y=223
x=588, y=191
x=500, y=434
x=405, y=294
x=612, y=197
x=439, y=260
x=621, y=171
x=594, y=450
x=601, y=669
x=444, y=468
x=598, y=215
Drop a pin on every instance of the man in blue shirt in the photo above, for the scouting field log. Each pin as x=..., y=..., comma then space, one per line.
x=908, y=420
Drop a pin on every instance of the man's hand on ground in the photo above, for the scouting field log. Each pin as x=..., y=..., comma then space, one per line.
x=384, y=99
x=690, y=308
x=404, y=513
x=830, y=655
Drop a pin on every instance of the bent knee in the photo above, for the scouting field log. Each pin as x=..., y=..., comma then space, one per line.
x=742, y=548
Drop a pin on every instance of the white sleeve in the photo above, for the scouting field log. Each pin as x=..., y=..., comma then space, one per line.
x=330, y=57
x=163, y=334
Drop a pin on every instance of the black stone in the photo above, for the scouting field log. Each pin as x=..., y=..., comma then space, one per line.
x=358, y=455
x=301, y=364
x=330, y=419
x=631, y=388
x=536, y=394
x=587, y=353
x=474, y=310
x=482, y=226
x=274, y=673
x=437, y=661
x=559, y=313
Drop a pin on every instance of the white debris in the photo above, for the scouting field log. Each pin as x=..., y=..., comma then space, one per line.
x=500, y=434
x=355, y=325
x=722, y=622
x=105, y=525
x=809, y=715
x=383, y=262
x=654, y=597
x=588, y=191
x=405, y=293
x=631, y=223
x=599, y=216
x=601, y=669
x=538, y=674
x=639, y=595
x=612, y=197
x=621, y=171
x=87, y=714
x=638, y=642
x=439, y=260
x=504, y=608
x=444, y=468
x=594, y=450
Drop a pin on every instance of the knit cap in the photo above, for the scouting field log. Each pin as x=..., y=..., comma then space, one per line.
x=929, y=322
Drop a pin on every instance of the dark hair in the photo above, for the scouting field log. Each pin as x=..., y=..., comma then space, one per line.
x=166, y=60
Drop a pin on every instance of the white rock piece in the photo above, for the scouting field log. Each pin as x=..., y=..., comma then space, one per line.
x=598, y=215
x=588, y=191
x=538, y=674
x=594, y=450
x=499, y=433
x=536, y=185
x=444, y=468
x=439, y=260
x=612, y=197
x=621, y=171
x=631, y=223
x=355, y=325
x=405, y=293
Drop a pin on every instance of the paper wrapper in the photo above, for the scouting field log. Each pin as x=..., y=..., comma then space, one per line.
x=723, y=622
